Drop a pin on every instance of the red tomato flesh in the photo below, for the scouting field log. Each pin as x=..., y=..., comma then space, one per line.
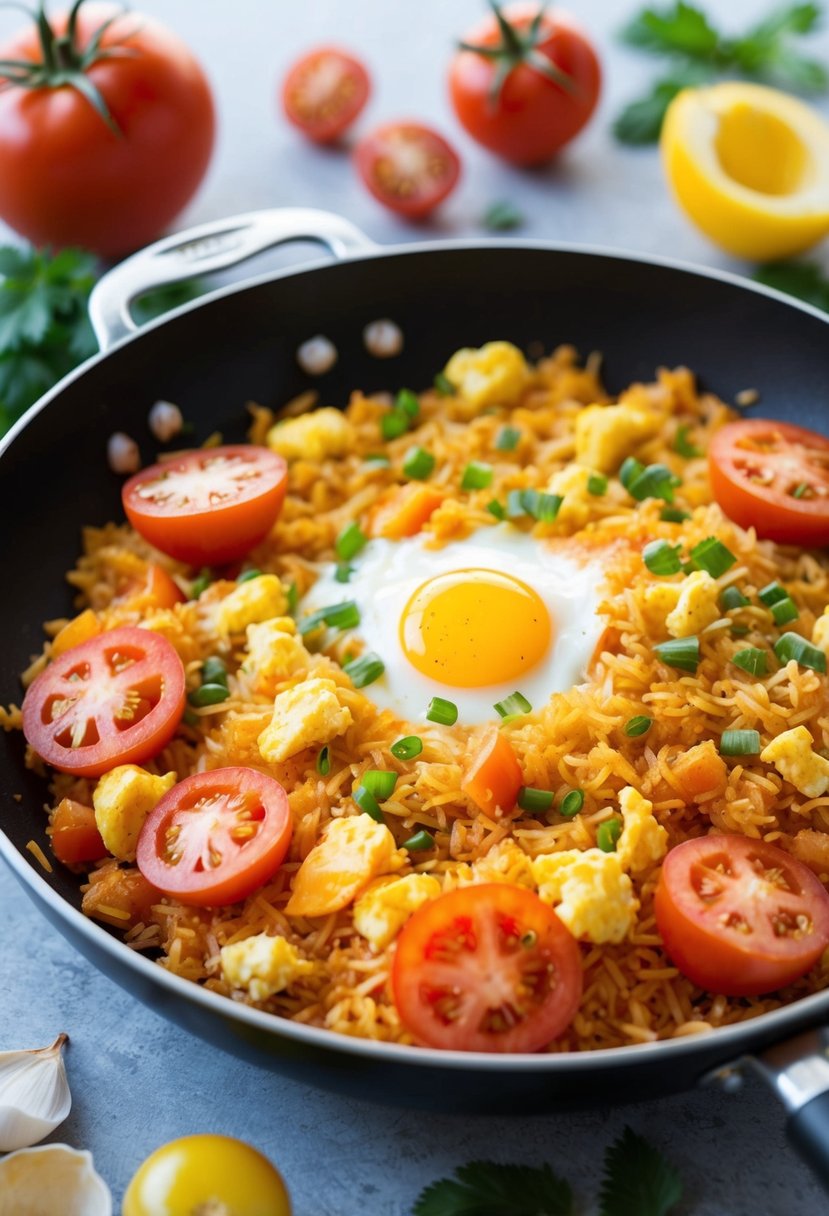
x=774, y=477
x=486, y=968
x=324, y=92
x=209, y=506
x=740, y=916
x=407, y=167
x=116, y=699
x=75, y=835
x=216, y=837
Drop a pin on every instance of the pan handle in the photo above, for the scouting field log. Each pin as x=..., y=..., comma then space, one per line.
x=211, y=247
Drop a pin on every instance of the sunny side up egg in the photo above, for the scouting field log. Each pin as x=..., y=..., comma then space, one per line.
x=471, y=622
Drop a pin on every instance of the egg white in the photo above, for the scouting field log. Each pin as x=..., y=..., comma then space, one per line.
x=387, y=573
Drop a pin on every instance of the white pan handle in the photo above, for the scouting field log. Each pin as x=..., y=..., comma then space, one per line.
x=211, y=247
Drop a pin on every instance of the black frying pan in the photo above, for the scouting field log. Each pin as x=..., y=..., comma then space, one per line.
x=239, y=345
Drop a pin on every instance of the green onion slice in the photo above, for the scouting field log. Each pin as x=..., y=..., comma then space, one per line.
x=247, y=575
x=338, y=616
x=793, y=646
x=421, y=841
x=476, y=476
x=571, y=804
x=772, y=593
x=380, y=782
x=407, y=748
x=597, y=484
x=683, y=446
x=543, y=507
x=784, y=611
x=444, y=385
x=752, y=660
x=712, y=556
x=515, y=703
x=443, y=712
x=674, y=515
x=799, y=491
x=367, y=803
x=740, y=743
x=655, y=481
x=507, y=439
x=682, y=653
x=214, y=671
x=377, y=458
x=530, y=799
x=607, y=835
x=418, y=464
x=393, y=424
x=351, y=540
x=495, y=508
x=661, y=558
x=407, y=402
x=292, y=595
x=365, y=670
x=343, y=572
x=324, y=761
x=732, y=597
x=638, y=725
x=200, y=584
x=630, y=470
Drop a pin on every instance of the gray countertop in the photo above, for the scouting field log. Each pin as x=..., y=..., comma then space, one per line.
x=138, y=1081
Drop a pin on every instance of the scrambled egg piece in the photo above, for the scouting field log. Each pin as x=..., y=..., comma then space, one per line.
x=656, y=602
x=352, y=852
x=274, y=650
x=592, y=894
x=506, y=862
x=571, y=484
x=315, y=436
x=793, y=755
x=820, y=633
x=643, y=840
x=122, y=799
x=606, y=434
x=382, y=911
x=309, y=714
x=263, y=965
x=697, y=606
x=495, y=374
x=253, y=601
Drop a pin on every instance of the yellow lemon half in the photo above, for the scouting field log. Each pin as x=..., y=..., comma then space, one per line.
x=750, y=166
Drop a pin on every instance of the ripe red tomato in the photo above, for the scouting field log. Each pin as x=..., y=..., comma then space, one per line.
x=324, y=92
x=773, y=476
x=740, y=916
x=407, y=167
x=116, y=699
x=486, y=968
x=216, y=837
x=209, y=506
x=66, y=176
x=550, y=92
x=155, y=590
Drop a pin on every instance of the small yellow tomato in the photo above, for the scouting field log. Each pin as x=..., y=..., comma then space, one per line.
x=207, y=1176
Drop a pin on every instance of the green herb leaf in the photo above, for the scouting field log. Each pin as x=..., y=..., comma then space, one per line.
x=661, y=558
x=640, y=724
x=805, y=280
x=683, y=445
x=502, y=216
x=676, y=29
x=640, y=122
x=638, y=1181
x=483, y=1188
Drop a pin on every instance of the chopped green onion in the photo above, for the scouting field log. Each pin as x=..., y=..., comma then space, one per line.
x=571, y=804
x=213, y=670
x=393, y=424
x=740, y=743
x=507, y=439
x=739, y=631
x=406, y=401
x=752, y=660
x=682, y=653
x=607, y=835
x=784, y=611
x=351, y=540
x=683, y=446
x=793, y=646
x=630, y=470
x=661, y=558
x=543, y=507
x=476, y=476
x=732, y=597
x=597, y=484
x=800, y=490
x=407, y=748
x=530, y=799
x=638, y=725
x=365, y=670
x=379, y=782
x=343, y=572
x=378, y=458
x=338, y=616
x=495, y=508
x=208, y=694
x=292, y=596
x=190, y=717
x=200, y=584
x=674, y=515
x=712, y=556
x=772, y=593
x=515, y=504
x=443, y=712
x=444, y=385
x=515, y=703
x=418, y=464
x=418, y=843
x=655, y=481
x=248, y=575
x=367, y=803
x=324, y=762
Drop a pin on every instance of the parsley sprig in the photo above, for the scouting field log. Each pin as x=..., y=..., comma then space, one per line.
x=636, y=1181
x=698, y=52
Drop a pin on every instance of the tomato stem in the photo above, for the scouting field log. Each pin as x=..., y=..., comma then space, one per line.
x=516, y=48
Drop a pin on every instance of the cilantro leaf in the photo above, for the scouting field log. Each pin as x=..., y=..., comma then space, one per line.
x=764, y=52
x=641, y=121
x=638, y=1181
x=805, y=280
x=482, y=1188
x=680, y=29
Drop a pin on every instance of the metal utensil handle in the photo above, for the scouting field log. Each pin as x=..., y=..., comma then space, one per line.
x=211, y=247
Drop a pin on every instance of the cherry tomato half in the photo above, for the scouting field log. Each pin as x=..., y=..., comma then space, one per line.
x=209, y=506
x=116, y=699
x=206, y=1174
x=549, y=94
x=154, y=590
x=407, y=167
x=486, y=968
x=216, y=837
x=324, y=92
x=740, y=916
x=773, y=476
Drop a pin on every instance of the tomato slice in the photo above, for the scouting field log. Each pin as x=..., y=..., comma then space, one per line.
x=324, y=92
x=773, y=476
x=407, y=167
x=155, y=590
x=486, y=968
x=208, y=506
x=116, y=699
x=740, y=916
x=216, y=837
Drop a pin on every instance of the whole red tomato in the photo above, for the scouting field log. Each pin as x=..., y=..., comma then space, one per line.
x=111, y=142
x=530, y=87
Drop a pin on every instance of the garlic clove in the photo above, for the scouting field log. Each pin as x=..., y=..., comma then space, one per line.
x=53, y=1180
x=34, y=1095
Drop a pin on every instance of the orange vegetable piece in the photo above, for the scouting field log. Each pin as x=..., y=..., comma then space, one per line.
x=75, y=835
x=121, y=898
x=700, y=770
x=155, y=590
x=79, y=629
x=405, y=513
x=812, y=847
x=494, y=775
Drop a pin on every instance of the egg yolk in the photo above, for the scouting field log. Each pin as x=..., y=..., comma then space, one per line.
x=470, y=628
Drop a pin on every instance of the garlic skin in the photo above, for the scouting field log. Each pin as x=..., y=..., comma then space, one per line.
x=34, y=1095
x=53, y=1180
